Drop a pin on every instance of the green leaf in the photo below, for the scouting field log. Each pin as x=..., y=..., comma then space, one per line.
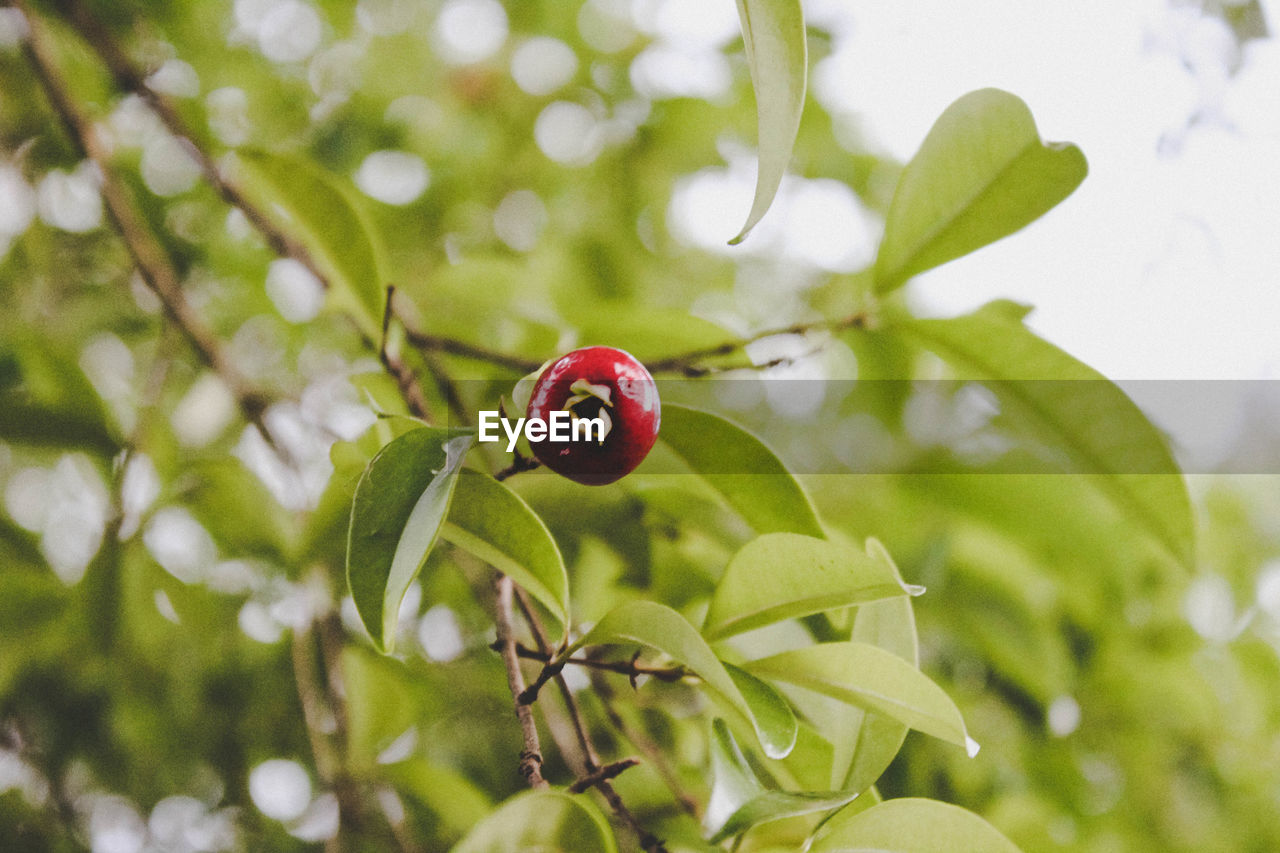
x=768, y=707
x=742, y=469
x=890, y=625
x=739, y=800
x=1071, y=407
x=864, y=743
x=329, y=223
x=550, y=821
x=774, y=36
x=870, y=678
x=399, y=506
x=981, y=174
x=911, y=825
x=658, y=626
x=781, y=576
x=495, y=524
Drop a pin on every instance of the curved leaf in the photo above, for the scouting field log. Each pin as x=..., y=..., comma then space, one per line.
x=1071, y=407
x=399, y=505
x=870, y=678
x=333, y=229
x=781, y=576
x=739, y=800
x=911, y=825
x=981, y=174
x=774, y=36
x=658, y=626
x=741, y=468
x=495, y=524
x=768, y=707
x=541, y=821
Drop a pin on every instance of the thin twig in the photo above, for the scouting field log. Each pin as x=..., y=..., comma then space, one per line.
x=632, y=668
x=602, y=774
x=519, y=463
x=462, y=349
x=642, y=741
x=531, y=755
x=152, y=260
x=688, y=361
x=648, y=841
x=405, y=379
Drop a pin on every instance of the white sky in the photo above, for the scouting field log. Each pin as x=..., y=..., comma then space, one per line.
x=1160, y=265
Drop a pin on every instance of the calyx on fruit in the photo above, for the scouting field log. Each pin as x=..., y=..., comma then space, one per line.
x=597, y=383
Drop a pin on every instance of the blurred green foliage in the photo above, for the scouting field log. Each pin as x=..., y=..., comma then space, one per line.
x=172, y=608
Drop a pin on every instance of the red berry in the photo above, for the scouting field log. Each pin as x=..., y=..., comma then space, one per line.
x=597, y=383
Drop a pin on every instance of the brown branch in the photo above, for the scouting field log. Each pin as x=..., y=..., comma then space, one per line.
x=452, y=346
x=405, y=379
x=632, y=668
x=642, y=741
x=687, y=362
x=132, y=79
x=149, y=256
x=648, y=841
x=531, y=755
x=602, y=774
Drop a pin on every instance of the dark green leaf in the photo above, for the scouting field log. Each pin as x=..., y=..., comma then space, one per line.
x=399, y=506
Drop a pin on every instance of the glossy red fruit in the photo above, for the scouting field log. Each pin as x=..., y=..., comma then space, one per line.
x=597, y=382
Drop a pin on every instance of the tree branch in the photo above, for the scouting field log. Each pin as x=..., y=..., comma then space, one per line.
x=687, y=362
x=648, y=841
x=531, y=755
x=633, y=669
x=149, y=256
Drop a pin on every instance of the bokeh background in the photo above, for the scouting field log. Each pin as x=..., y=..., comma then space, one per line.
x=546, y=174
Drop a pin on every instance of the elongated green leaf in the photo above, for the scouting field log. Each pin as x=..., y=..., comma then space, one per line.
x=870, y=678
x=981, y=174
x=495, y=524
x=911, y=825
x=768, y=707
x=329, y=224
x=538, y=821
x=742, y=469
x=774, y=36
x=781, y=576
x=863, y=743
x=739, y=800
x=890, y=625
x=658, y=626
x=400, y=503
x=1071, y=407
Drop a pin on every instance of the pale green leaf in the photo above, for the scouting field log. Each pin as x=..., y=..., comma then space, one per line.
x=742, y=469
x=322, y=215
x=659, y=627
x=781, y=576
x=981, y=174
x=870, y=678
x=1071, y=407
x=495, y=524
x=777, y=53
x=911, y=825
x=399, y=506
x=550, y=821
x=739, y=800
